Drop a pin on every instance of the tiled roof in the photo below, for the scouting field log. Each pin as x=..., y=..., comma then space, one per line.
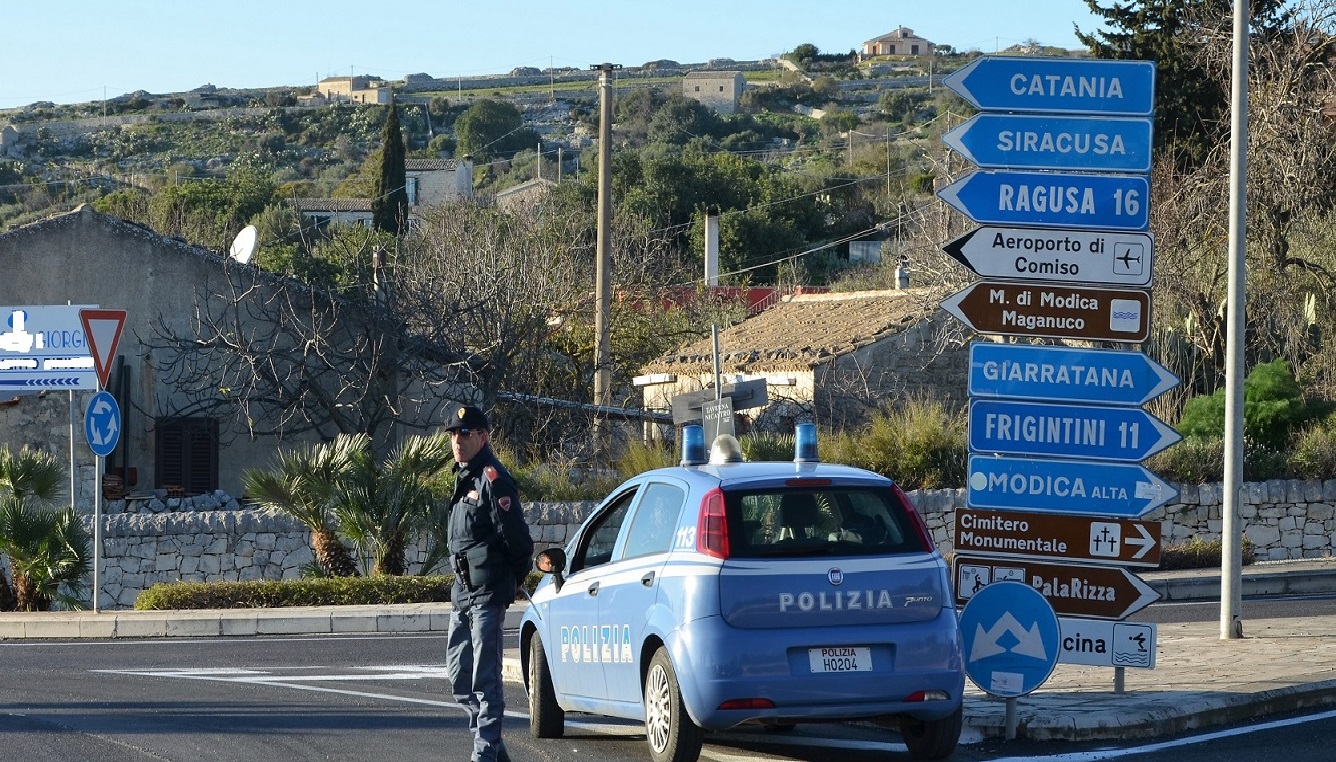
x=425, y=165
x=332, y=204
x=805, y=331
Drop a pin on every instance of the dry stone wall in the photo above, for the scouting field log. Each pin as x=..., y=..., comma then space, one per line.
x=212, y=538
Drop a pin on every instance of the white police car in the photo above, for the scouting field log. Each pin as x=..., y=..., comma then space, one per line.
x=713, y=594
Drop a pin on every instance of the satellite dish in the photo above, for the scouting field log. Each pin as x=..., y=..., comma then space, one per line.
x=244, y=244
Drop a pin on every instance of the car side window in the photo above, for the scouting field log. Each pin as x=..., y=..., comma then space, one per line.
x=655, y=522
x=600, y=536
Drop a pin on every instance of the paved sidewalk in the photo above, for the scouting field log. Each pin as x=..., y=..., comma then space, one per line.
x=1199, y=680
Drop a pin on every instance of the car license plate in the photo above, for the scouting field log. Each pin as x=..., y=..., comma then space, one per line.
x=840, y=659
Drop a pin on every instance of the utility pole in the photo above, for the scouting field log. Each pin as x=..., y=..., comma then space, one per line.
x=603, y=276
x=559, y=147
x=538, y=174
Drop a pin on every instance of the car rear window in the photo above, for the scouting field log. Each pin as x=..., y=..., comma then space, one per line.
x=825, y=521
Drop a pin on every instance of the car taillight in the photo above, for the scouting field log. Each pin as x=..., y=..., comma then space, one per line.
x=711, y=525
x=924, y=535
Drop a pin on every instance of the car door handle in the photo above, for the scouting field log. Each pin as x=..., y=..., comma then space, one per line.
x=593, y=589
x=648, y=579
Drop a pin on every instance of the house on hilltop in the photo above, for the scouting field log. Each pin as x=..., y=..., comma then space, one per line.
x=355, y=90
x=826, y=357
x=901, y=42
x=719, y=90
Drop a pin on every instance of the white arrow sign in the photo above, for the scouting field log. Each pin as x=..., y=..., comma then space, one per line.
x=1145, y=542
x=1071, y=256
x=988, y=642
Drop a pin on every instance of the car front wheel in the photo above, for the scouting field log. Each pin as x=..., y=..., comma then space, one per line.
x=932, y=739
x=672, y=735
x=546, y=718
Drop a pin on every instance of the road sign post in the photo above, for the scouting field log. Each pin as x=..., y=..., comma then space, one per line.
x=1066, y=374
x=1030, y=141
x=1096, y=592
x=1051, y=485
x=1057, y=85
x=1121, y=434
x=1053, y=311
x=1011, y=638
x=1057, y=536
x=1069, y=256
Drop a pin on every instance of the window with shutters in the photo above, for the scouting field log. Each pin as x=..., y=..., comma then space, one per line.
x=187, y=454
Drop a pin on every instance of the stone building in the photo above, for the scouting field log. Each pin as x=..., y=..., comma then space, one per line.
x=355, y=90
x=826, y=357
x=719, y=90
x=430, y=182
x=179, y=427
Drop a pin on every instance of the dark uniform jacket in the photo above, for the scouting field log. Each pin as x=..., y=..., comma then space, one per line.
x=491, y=550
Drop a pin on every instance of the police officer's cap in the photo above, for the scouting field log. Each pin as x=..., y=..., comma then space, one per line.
x=466, y=417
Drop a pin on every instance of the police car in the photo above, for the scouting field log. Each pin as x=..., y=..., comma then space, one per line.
x=724, y=592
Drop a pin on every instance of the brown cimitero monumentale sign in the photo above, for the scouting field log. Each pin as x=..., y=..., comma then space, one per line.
x=1057, y=536
x=1052, y=311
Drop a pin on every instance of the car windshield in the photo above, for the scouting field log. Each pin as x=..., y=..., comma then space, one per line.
x=827, y=521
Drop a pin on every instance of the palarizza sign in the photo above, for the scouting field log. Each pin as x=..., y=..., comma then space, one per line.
x=1069, y=256
x=1053, y=311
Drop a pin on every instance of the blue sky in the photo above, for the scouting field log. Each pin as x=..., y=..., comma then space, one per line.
x=71, y=51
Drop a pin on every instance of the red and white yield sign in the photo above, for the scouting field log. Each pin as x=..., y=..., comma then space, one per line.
x=102, y=329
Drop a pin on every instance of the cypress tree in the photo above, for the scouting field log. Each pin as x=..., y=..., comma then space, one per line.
x=389, y=206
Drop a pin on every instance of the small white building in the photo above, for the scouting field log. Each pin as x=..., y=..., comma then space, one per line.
x=901, y=42
x=719, y=90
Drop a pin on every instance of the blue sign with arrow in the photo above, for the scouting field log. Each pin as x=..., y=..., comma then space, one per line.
x=102, y=423
x=1030, y=141
x=1066, y=374
x=1011, y=638
x=1066, y=431
x=1087, y=488
x=1057, y=85
x=1051, y=199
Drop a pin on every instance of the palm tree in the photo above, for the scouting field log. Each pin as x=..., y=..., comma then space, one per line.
x=48, y=548
x=381, y=505
x=304, y=484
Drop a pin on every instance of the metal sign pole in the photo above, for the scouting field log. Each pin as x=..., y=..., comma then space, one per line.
x=97, y=532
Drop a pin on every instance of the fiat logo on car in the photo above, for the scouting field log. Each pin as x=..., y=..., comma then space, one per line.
x=835, y=575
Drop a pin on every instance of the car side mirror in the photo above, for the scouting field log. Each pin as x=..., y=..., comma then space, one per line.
x=552, y=561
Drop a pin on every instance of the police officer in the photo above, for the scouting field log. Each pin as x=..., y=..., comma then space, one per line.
x=491, y=552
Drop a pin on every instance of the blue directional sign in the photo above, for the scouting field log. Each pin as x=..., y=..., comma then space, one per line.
x=1030, y=141
x=1087, y=488
x=1057, y=85
x=1066, y=431
x=1066, y=374
x=1011, y=638
x=1052, y=200
x=44, y=347
x=102, y=424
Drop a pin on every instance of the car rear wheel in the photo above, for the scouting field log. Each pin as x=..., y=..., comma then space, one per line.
x=546, y=718
x=670, y=731
x=932, y=739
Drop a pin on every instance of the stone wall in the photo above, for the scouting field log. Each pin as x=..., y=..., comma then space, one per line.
x=211, y=538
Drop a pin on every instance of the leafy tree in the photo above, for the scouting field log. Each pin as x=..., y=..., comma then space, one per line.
x=490, y=128
x=805, y=53
x=48, y=548
x=303, y=484
x=1191, y=106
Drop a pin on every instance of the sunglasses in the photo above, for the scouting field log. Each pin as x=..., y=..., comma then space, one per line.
x=461, y=433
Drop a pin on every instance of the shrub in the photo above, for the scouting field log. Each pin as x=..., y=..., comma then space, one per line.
x=1314, y=452
x=921, y=446
x=326, y=591
x=1273, y=405
x=1200, y=554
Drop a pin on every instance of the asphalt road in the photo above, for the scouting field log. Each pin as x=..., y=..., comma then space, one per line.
x=376, y=698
